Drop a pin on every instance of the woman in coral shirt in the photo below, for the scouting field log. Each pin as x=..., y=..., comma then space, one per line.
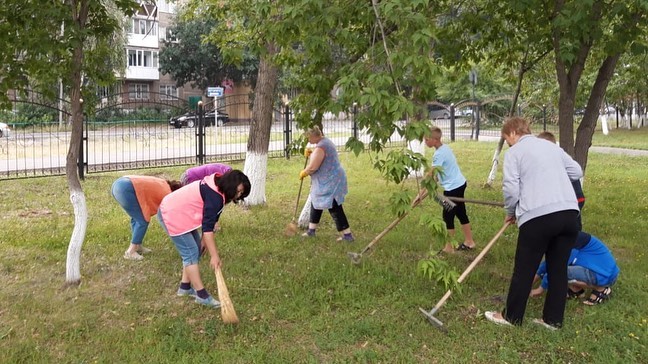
x=140, y=197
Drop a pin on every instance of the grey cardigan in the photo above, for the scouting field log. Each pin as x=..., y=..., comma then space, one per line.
x=537, y=179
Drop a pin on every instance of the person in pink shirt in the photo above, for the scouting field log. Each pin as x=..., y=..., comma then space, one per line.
x=198, y=205
x=199, y=172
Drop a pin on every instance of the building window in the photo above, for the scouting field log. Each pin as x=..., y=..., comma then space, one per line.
x=163, y=33
x=168, y=92
x=143, y=26
x=138, y=58
x=138, y=91
x=105, y=91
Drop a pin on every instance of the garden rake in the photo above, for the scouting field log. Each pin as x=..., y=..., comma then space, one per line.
x=430, y=314
x=356, y=257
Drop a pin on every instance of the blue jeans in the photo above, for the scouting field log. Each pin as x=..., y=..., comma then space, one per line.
x=187, y=244
x=582, y=274
x=124, y=192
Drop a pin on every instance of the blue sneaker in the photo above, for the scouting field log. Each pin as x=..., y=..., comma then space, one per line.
x=186, y=292
x=346, y=237
x=209, y=301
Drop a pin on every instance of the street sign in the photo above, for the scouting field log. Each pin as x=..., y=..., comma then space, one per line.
x=215, y=91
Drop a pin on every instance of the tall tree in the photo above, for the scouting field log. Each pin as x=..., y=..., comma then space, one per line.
x=248, y=28
x=585, y=37
x=35, y=48
x=188, y=58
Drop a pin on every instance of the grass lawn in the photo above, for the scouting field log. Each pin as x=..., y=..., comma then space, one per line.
x=303, y=300
x=622, y=138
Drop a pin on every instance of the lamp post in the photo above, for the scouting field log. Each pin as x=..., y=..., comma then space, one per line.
x=355, y=124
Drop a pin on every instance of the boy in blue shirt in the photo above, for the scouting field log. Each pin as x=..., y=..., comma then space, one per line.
x=590, y=265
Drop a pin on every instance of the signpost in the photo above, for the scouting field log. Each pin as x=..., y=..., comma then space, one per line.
x=215, y=92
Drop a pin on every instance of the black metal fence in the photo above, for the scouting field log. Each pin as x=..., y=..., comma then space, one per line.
x=132, y=141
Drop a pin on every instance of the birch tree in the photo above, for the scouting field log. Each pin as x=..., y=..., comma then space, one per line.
x=36, y=52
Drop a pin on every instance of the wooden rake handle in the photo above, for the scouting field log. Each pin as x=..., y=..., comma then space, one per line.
x=471, y=266
x=301, y=184
x=479, y=202
x=393, y=224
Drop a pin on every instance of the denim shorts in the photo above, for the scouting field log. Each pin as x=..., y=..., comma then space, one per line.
x=187, y=244
x=581, y=274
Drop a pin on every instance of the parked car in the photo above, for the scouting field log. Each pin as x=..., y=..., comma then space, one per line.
x=440, y=112
x=5, y=131
x=190, y=119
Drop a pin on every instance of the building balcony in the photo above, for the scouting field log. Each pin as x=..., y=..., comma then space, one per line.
x=142, y=73
x=143, y=40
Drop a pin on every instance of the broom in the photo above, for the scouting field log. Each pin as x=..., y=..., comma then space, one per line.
x=291, y=228
x=228, y=314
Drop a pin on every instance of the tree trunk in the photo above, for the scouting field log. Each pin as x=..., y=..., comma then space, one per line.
x=493, y=172
x=588, y=124
x=256, y=160
x=73, y=262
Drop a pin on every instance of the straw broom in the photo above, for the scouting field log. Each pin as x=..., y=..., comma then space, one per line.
x=228, y=314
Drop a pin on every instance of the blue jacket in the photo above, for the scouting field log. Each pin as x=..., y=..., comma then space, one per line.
x=590, y=253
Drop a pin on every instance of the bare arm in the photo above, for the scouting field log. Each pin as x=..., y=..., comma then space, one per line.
x=316, y=159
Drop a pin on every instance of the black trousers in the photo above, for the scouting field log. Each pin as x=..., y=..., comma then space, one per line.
x=553, y=236
x=337, y=213
x=459, y=211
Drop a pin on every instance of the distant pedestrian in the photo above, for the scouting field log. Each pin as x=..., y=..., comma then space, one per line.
x=140, y=197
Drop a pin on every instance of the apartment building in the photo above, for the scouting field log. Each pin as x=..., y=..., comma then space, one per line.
x=146, y=33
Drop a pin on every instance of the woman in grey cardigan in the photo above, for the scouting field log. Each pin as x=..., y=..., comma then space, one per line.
x=539, y=196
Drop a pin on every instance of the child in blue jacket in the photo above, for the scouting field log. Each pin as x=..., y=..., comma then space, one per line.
x=590, y=265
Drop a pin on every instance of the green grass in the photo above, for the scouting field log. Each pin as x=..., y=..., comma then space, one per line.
x=303, y=300
x=622, y=138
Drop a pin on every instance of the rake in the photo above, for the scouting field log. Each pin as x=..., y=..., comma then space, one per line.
x=430, y=314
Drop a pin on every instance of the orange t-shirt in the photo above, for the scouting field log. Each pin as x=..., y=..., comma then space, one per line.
x=149, y=191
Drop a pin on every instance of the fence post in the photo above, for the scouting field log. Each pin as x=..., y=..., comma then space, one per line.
x=287, y=131
x=452, y=122
x=477, y=120
x=544, y=117
x=355, y=123
x=84, y=138
x=200, y=134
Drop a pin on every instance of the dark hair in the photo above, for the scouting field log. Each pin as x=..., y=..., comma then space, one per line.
x=228, y=185
x=546, y=135
x=174, y=185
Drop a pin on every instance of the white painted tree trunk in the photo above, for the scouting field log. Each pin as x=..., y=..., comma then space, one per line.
x=493, y=171
x=604, y=124
x=417, y=147
x=73, y=263
x=304, y=216
x=256, y=168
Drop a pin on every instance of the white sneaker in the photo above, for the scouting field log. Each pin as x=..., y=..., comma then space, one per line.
x=132, y=256
x=546, y=325
x=490, y=316
x=143, y=250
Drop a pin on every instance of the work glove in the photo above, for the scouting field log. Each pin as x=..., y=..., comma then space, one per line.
x=308, y=152
x=303, y=174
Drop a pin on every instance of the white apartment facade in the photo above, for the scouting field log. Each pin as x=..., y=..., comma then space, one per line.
x=146, y=32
